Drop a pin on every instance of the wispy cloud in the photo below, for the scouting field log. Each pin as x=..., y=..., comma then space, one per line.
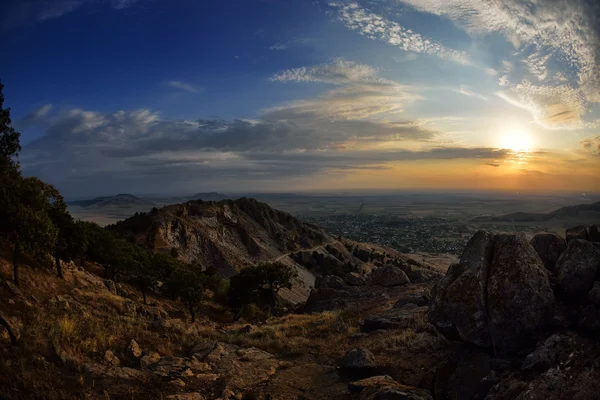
x=547, y=35
x=467, y=92
x=592, y=145
x=377, y=27
x=184, y=86
x=24, y=12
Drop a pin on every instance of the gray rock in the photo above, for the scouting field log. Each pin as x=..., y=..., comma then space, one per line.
x=380, y=380
x=330, y=281
x=499, y=294
x=594, y=234
x=186, y=396
x=544, y=357
x=359, y=358
x=457, y=307
x=549, y=247
x=133, y=349
x=148, y=359
x=520, y=299
x=402, y=318
x=111, y=359
x=594, y=294
x=578, y=232
x=576, y=269
x=418, y=299
x=354, y=279
x=388, y=276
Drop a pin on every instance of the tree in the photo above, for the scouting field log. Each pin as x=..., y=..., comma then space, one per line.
x=187, y=283
x=9, y=137
x=29, y=227
x=69, y=243
x=260, y=285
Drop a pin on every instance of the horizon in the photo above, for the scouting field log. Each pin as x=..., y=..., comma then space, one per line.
x=144, y=96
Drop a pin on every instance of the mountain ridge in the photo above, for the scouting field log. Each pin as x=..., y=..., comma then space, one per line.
x=561, y=213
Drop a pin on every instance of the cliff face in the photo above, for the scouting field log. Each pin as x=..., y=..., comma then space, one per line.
x=227, y=235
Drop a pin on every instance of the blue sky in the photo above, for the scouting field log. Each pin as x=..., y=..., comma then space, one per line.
x=181, y=96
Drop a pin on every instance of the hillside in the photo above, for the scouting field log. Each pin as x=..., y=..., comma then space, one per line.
x=120, y=200
x=581, y=211
x=230, y=235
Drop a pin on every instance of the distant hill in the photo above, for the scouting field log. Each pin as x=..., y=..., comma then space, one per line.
x=120, y=200
x=591, y=211
x=209, y=196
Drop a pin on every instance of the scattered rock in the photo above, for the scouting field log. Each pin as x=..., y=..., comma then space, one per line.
x=148, y=359
x=177, y=383
x=388, y=276
x=185, y=396
x=133, y=349
x=381, y=380
x=418, y=299
x=359, y=358
x=549, y=247
x=578, y=232
x=594, y=234
x=354, y=279
x=544, y=356
x=394, y=319
x=111, y=359
x=394, y=393
x=330, y=281
x=463, y=375
x=576, y=269
x=247, y=329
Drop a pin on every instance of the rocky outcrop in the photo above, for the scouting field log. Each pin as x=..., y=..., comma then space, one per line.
x=498, y=295
x=354, y=279
x=577, y=232
x=389, y=275
x=134, y=350
x=12, y=331
x=577, y=269
x=360, y=359
x=594, y=234
x=549, y=247
x=385, y=388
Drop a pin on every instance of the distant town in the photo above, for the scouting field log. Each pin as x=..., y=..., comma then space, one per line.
x=429, y=234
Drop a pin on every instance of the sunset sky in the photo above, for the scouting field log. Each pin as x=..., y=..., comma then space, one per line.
x=183, y=96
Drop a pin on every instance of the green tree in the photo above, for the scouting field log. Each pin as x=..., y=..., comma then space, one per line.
x=30, y=228
x=187, y=283
x=260, y=285
x=9, y=137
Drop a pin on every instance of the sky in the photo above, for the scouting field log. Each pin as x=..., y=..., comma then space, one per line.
x=186, y=96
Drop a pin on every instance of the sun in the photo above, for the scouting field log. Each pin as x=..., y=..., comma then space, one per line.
x=516, y=140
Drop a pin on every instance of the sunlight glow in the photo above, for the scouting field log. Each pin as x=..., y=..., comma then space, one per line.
x=516, y=140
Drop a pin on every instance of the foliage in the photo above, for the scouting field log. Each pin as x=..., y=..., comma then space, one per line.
x=188, y=284
x=260, y=285
x=9, y=137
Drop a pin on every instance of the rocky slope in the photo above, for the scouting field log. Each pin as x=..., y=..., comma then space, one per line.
x=232, y=234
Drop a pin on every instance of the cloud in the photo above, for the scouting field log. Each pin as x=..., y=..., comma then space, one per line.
x=279, y=46
x=376, y=27
x=465, y=90
x=37, y=114
x=592, y=145
x=183, y=86
x=24, y=12
x=553, y=34
x=360, y=93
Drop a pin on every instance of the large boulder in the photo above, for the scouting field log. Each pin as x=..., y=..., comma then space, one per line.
x=519, y=297
x=499, y=294
x=576, y=270
x=577, y=232
x=594, y=234
x=457, y=306
x=330, y=281
x=388, y=276
x=359, y=359
x=549, y=247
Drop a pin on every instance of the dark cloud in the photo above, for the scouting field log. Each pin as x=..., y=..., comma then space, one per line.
x=87, y=152
x=592, y=145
